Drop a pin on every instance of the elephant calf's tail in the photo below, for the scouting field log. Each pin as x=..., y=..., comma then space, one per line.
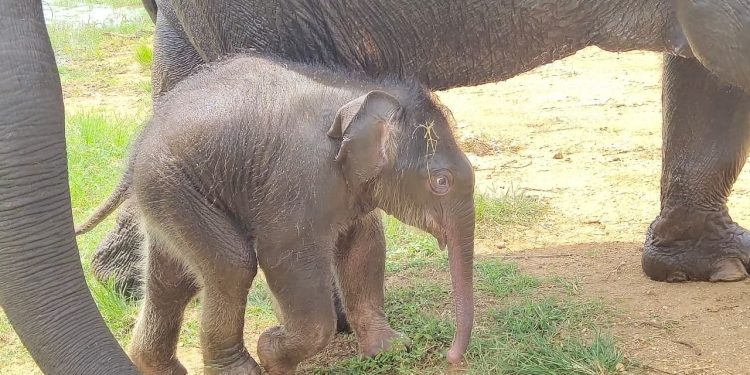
x=114, y=200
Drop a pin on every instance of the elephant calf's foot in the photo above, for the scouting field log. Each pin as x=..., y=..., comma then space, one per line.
x=148, y=366
x=696, y=247
x=374, y=342
x=280, y=353
x=239, y=363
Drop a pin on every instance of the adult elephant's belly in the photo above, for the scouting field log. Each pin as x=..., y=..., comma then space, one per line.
x=447, y=45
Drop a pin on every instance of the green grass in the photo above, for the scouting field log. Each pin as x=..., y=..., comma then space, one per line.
x=81, y=42
x=99, y=58
x=97, y=147
x=112, y=3
x=259, y=305
x=495, y=212
x=503, y=279
x=518, y=330
x=119, y=313
x=144, y=54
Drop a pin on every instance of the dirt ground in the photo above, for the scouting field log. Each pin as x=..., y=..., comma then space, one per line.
x=584, y=134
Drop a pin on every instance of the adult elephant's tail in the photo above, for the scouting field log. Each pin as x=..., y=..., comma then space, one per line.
x=150, y=6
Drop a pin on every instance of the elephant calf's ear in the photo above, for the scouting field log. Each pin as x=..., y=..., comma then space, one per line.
x=363, y=125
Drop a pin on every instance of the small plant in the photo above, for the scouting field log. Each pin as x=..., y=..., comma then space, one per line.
x=144, y=54
x=259, y=303
x=503, y=279
x=511, y=208
x=118, y=313
x=112, y=3
x=97, y=145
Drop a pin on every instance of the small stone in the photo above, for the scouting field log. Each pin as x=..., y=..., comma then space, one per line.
x=501, y=245
x=558, y=155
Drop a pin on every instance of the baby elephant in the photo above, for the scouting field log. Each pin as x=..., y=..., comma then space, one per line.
x=255, y=161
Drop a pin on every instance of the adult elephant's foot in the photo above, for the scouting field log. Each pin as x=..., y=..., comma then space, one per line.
x=684, y=245
x=118, y=257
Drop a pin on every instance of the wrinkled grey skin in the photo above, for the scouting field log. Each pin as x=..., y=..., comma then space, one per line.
x=447, y=43
x=255, y=162
x=707, y=96
x=42, y=287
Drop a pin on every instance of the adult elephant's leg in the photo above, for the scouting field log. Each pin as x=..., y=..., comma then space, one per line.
x=42, y=287
x=706, y=129
x=719, y=36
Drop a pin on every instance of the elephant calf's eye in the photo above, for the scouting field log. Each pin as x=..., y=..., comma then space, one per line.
x=440, y=182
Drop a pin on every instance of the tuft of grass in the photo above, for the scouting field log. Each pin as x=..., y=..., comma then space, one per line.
x=547, y=317
x=502, y=279
x=535, y=337
x=409, y=248
x=259, y=303
x=144, y=55
x=511, y=208
x=87, y=41
x=190, y=331
x=547, y=336
x=416, y=311
x=516, y=332
x=97, y=144
x=112, y=3
x=12, y=351
x=537, y=356
x=119, y=313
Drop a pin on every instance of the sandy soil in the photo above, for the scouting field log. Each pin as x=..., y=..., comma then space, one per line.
x=691, y=328
x=584, y=134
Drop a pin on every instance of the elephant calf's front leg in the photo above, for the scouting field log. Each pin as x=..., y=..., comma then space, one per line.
x=360, y=262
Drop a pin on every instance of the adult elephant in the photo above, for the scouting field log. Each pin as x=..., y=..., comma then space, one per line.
x=449, y=43
x=42, y=289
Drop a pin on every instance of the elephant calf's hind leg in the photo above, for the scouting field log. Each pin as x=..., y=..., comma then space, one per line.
x=169, y=288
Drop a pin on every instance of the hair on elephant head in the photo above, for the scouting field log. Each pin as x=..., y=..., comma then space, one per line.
x=259, y=162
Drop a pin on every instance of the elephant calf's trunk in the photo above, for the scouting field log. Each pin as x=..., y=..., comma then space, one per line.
x=461, y=261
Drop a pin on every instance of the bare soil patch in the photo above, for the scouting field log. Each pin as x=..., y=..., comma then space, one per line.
x=690, y=328
x=584, y=134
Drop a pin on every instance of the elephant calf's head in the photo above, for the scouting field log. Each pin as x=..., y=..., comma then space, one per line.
x=402, y=153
